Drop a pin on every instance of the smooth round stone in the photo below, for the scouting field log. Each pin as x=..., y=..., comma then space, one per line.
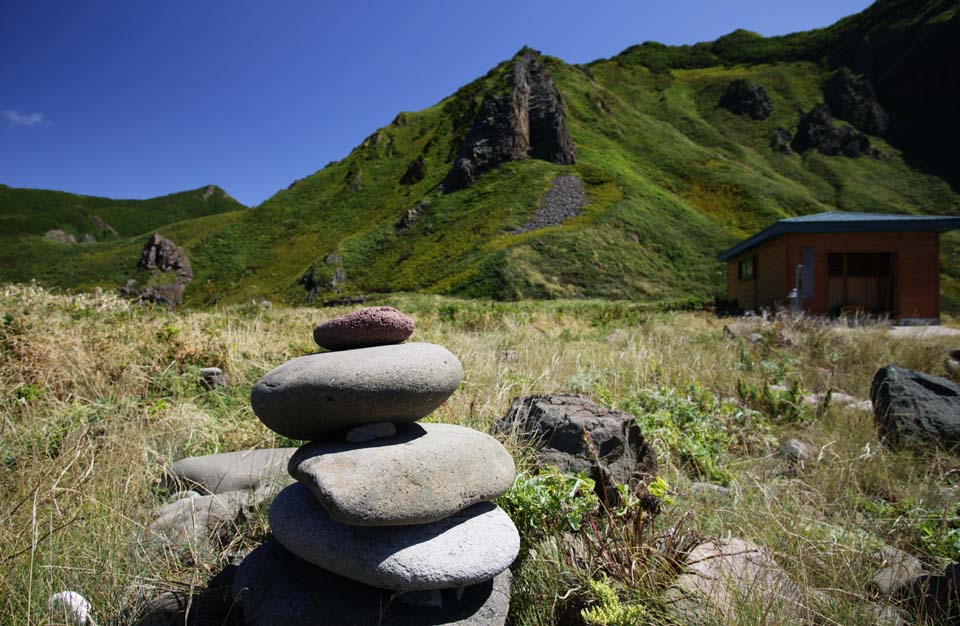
x=274, y=587
x=372, y=326
x=423, y=474
x=466, y=548
x=320, y=395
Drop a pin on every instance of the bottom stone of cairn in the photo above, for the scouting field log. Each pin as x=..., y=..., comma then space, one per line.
x=274, y=587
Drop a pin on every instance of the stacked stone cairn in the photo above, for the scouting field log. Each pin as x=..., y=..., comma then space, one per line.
x=390, y=521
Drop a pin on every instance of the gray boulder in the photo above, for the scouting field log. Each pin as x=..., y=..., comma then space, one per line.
x=556, y=424
x=722, y=575
x=320, y=395
x=272, y=586
x=466, y=548
x=914, y=405
x=231, y=471
x=423, y=474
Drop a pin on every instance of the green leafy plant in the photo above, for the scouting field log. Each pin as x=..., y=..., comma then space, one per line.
x=692, y=427
x=549, y=501
x=609, y=611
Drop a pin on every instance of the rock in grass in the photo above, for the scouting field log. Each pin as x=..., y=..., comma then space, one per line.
x=798, y=451
x=721, y=576
x=372, y=326
x=914, y=405
x=70, y=607
x=231, y=471
x=425, y=473
x=466, y=548
x=560, y=426
x=190, y=522
x=320, y=395
x=273, y=587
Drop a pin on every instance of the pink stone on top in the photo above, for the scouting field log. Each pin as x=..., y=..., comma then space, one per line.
x=372, y=326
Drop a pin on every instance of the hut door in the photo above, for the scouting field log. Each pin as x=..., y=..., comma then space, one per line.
x=861, y=282
x=807, y=259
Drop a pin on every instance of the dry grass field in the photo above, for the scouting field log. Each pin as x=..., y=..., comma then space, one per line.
x=97, y=395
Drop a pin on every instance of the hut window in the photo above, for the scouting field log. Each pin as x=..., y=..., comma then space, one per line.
x=745, y=269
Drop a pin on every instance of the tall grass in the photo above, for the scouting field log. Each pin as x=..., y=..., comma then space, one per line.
x=97, y=395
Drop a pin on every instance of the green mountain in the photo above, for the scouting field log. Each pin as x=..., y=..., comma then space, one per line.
x=621, y=178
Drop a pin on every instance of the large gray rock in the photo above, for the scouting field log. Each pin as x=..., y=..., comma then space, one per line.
x=423, y=474
x=556, y=425
x=231, y=471
x=316, y=396
x=721, y=576
x=914, y=405
x=273, y=587
x=466, y=548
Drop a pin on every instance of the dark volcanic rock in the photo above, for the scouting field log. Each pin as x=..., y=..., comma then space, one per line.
x=816, y=131
x=416, y=171
x=559, y=425
x=564, y=200
x=744, y=97
x=914, y=405
x=933, y=598
x=272, y=587
x=781, y=141
x=851, y=97
x=168, y=273
x=529, y=122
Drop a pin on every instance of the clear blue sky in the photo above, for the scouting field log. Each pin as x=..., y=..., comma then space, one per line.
x=137, y=98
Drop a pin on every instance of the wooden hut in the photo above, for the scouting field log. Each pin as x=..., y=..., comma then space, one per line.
x=842, y=263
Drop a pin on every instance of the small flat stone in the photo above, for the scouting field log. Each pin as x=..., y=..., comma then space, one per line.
x=320, y=395
x=190, y=522
x=425, y=473
x=273, y=587
x=466, y=548
x=370, y=432
x=365, y=328
x=799, y=451
x=230, y=471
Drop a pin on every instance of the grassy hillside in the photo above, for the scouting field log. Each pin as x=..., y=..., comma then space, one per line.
x=671, y=179
x=118, y=229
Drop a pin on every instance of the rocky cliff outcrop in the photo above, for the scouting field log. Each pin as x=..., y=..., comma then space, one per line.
x=744, y=97
x=163, y=273
x=851, y=97
x=528, y=122
x=817, y=131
